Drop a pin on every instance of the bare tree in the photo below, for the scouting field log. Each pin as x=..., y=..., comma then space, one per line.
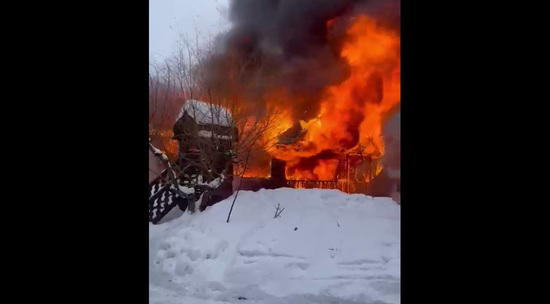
x=232, y=124
x=163, y=102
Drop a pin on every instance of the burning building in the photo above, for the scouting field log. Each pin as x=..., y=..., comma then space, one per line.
x=335, y=67
x=349, y=170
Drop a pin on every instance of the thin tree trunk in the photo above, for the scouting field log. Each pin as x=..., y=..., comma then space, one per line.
x=238, y=188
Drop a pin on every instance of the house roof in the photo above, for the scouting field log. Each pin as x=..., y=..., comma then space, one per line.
x=292, y=135
x=205, y=113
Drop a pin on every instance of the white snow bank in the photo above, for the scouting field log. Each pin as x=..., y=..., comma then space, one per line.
x=326, y=247
x=205, y=113
x=213, y=184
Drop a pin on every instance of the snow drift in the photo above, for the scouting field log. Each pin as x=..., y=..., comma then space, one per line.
x=326, y=247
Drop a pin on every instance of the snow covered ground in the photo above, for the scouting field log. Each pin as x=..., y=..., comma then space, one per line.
x=326, y=247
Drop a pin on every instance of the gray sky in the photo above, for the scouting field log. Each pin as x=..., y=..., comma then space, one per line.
x=170, y=18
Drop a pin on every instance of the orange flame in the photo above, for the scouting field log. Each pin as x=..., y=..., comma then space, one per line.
x=369, y=50
x=372, y=89
x=351, y=112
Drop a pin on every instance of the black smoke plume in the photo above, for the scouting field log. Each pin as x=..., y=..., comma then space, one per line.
x=286, y=44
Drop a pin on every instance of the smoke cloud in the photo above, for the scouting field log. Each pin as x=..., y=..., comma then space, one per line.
x=295, y=50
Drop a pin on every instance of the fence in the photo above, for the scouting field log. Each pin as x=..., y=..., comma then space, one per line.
x=311, y=184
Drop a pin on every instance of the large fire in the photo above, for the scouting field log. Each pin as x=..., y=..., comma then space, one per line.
x=351, y=113
x=346, y=130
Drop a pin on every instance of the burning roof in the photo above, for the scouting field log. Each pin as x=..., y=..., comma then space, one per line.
x=292, y=135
